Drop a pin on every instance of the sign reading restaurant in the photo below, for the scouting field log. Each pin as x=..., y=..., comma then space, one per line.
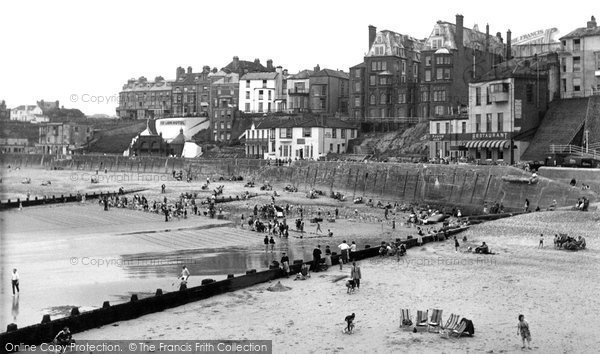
x=470, y=136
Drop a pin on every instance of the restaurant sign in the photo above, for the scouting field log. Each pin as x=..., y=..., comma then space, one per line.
x=470, y=136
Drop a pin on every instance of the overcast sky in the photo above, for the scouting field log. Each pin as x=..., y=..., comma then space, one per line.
x=78, y=50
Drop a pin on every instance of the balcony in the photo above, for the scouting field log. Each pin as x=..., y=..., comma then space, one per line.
x=298, y=91
x=257, y=141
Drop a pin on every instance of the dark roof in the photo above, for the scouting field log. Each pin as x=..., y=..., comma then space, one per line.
x=304, y=74
x=268, y=75
x=332, y=73
x=360, y=65
x=243, y=65
x=517, y=68
x=583, y=32
x=191, y=79
x=303, y=122
x=268, y=123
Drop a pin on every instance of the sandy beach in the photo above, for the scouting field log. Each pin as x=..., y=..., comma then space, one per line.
x=543, y=284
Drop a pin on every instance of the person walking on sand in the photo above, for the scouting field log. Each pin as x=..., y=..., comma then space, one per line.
x=355, y=274
x=420, y=239
x=343, y=253
x=541, y=245
x=272, y=242
x=266, y=241
x=316, y=258
x=523, y=330
x=456, y=244
x=15, y=280
x=318, y=228
x=352, y=251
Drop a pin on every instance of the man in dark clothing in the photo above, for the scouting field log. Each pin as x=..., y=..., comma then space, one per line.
x=316, y=258
x=337, y=212
x=285, y=263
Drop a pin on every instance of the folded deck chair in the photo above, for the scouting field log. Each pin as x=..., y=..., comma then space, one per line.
x=405, y=319
x=436, y=320
x=452, y=322
x=421, y=319
x=459, y=330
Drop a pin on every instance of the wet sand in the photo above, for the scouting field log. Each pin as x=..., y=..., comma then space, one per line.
x=554, y=289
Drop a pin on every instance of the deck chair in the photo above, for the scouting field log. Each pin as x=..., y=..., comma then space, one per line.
x=451, y=323
x=459, y=330
x=421, y=319
x=405, y=319
x=436, y=320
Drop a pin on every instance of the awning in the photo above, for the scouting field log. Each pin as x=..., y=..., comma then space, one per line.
x=488, y=144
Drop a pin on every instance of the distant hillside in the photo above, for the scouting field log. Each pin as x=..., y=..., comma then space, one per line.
x=13, y=129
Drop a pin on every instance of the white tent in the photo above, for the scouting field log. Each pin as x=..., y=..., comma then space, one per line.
x=191, y=150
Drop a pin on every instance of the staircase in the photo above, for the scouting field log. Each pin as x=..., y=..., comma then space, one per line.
x=560, y=125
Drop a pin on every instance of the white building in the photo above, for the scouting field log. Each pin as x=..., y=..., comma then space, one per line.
x=28, y=113
x=296, y=139
x=262, y=92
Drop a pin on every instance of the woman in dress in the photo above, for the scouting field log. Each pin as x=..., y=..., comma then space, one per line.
x=328, y=256
x=523, y=330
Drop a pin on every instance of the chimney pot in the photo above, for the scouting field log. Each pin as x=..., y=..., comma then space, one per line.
x=508, y=45
x=459, y=32
x=189, y=70
x=317, y=68
x=592, y=23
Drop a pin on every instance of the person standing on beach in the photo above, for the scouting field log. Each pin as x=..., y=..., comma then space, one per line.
x=15, y=280
x=523, y=330
x=318, y=228
x=343, y=253
x=420, y=239
x=355, y=274
x=526, y=205
x=285, y=263
x=337, y=212
x=266, y=240
x=316, y=258
x=541, y=245
x=272, y=242
x=352, y=251
x=456, y=244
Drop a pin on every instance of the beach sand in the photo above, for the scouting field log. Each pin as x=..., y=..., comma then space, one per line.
x=556, y=290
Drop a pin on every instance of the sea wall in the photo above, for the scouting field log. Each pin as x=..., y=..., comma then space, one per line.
x=79, y=322
x=467, y=187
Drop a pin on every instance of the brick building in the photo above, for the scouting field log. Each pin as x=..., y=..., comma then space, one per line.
x=224, y=94
x=328, y=92
x=191, y=93
x=141, y=99
x=63, y=138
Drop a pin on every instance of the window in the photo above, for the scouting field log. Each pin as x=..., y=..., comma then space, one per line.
x=439, y=96
x=372, y=80
x=442, y=74
x=357, y=101
x=415, y=70
x=564, y=85
x=464, y=127
x=403, y=67
x=440, y=110
x=383, y=80
x=334, y=133
x=563, y=65
x=260, y=94
x=247, y=95
x=577, y=85
x=372, y=99
x=576, y=45
x=478, y=123
x=488, y=122
x=428, y=60
x=352, y=133
x=373, y=66
x=383, y=65
x=260, y=106
x=357, y=73
x=500, y=154
x=447, y=130
x=264, y=84
x=402, y=98
x=427, y=75
x=500, y=122
x=477, y=153
x=343, y=133
x=488, y=154
x=247, y=83
x=383, y=99
x=270, y=92
x=285, y=133
x=306, y=132
x=529, y=92
x=357, y=86
x=488, y=96
x=247, y=108
x=425, y=96
x=437, y=128
x=576, y=64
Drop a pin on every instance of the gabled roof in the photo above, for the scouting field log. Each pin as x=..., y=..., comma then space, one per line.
x=148, y=86
x=332, y=73
x=179, y=139
x=472, y=38
x=260, y=76
x=583, y=32
x=302, y=75
x=358, y=66
x=192, y=79
x=517, y=68
x=243, y=66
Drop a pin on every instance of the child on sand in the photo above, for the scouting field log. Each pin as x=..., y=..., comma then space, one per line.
x=523, y=330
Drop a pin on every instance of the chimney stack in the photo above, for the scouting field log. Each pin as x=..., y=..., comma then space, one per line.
x=205, y=69
x=592, y=23
x=317, y=68
x=236, y=61
x=499, y=36
x=270, y=65
x=508, y=45
x=372, y=35
x=487, y=37
x=179, y=72
x=256, y=61
x=189, y=71
x=215, y=70
x=459, y=32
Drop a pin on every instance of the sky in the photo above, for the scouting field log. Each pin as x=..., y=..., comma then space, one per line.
x=83, y=52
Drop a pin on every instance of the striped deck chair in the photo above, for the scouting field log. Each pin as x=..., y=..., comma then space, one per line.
x=451, y=323
x=436, y=320
x=459, y=330
x=421, y=319
x=405, y=319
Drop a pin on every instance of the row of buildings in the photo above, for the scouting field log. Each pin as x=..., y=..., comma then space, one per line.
x=37, y=113
x=506, y=105
x=240, y=88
